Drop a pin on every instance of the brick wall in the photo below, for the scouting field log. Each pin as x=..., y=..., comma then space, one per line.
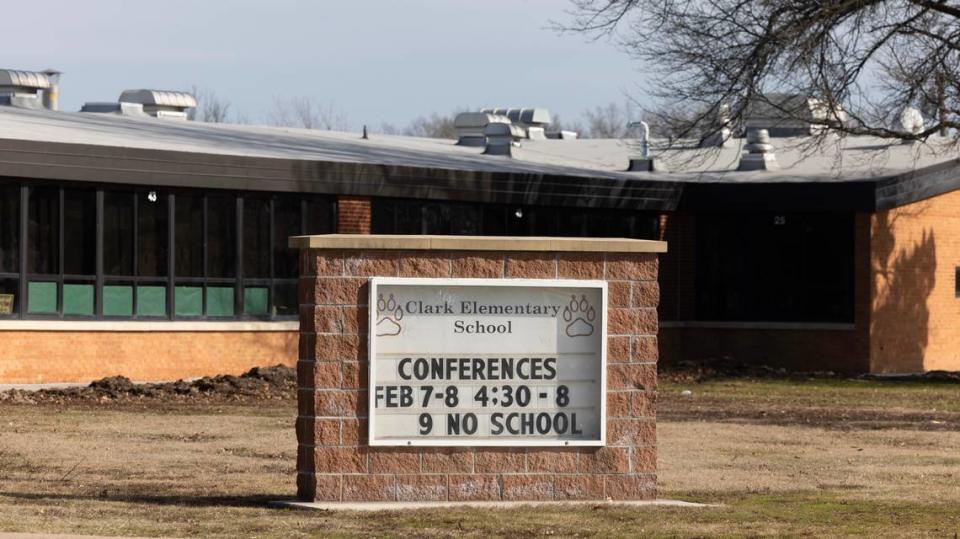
x=334, y=461
x=33, y=357
x=353, y=215
x=915, y=323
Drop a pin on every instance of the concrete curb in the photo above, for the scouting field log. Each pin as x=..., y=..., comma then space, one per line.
x=414, y=506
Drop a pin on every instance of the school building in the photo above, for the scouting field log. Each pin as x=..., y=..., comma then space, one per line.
x=135, y=241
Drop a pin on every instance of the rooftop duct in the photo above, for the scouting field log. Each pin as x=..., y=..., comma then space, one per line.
x=525, y=117
x=161, y=103
x=51, y=94
x=534, y=121
x=20, y=88
x=791, y=115
x=470, y=127
x=109, y=107
x=501, y=138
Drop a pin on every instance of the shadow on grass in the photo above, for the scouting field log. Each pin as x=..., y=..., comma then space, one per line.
x=260, y=500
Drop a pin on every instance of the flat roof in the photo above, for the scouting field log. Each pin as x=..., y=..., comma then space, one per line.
x=856, y=172
x=833, y=159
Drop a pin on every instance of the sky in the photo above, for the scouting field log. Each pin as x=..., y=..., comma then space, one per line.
x=376, y=61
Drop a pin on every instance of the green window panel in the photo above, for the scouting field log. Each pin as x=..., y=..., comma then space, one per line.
x=151, y=301
x=117, y=300
x=188, y=300
x=255, y=300
x=42, y=297
x=78, y=299
x=219, y=301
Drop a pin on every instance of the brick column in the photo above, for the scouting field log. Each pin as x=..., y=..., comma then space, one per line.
x=335, y=463
x=353, y=215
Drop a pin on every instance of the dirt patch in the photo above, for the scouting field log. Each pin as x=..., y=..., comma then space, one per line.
x=727, y=368
x=686, y=372
x=679, y=408
x=275, y=383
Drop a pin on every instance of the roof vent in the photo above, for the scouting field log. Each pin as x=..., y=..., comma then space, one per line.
x=719, y=134
x=563, y=134
x=644, y=162
x=759, y=154
x=470, y=127
x=20, y=88
x=109, y=107
x=161, y=103
x=791, y=115
x=911, y=121
x=51, y=94
x=533, y=121
x=502, y=138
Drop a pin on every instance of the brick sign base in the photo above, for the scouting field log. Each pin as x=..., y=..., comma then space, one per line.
x=335, y=463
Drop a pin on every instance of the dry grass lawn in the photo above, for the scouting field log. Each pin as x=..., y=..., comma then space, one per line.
x=805, y=457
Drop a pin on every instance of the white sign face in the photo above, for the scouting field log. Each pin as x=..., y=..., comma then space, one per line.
x=487, y=362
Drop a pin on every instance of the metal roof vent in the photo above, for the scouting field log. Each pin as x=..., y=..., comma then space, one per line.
x=51, y=94
x=759, y=154
x=534, y=121
x=161, y=103
x=719, y=134
x=502, y=138
x=109, y=107
x=563, y=134
x=19, y=88
x=470, y=127
x=911, y=121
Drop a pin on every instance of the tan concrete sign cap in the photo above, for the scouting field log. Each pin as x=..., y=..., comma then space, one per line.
x=477, y=243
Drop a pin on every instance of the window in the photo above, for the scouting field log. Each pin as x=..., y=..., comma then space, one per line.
x=189, y=236
x=61, y=247
x=152, y=234
x=222, y=236
x=256, y=237
x=286, y=223
x=9, y=250
x=206, y=238
x=118, y=233
x=9, y=228
x=79, y=252
x=185, y=254
x=43, y=231
x=79, y=232
x=43, y=250
x=768, y=267
x=397, y=216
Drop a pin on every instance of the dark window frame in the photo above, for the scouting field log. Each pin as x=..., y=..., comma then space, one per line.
x=322, y=220
x=413, y=216
x=769, y=267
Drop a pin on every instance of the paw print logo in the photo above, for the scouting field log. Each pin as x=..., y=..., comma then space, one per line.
x=579, y=316
x=389, y=314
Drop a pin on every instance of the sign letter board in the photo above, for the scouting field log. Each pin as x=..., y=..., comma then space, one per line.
x=487, y=362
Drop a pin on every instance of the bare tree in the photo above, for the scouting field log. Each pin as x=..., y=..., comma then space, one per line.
x=559, y=124
x=608, y=121
x=433, y=125
x=869, y=59
x=389, y=129
x=210, y=107
x=308, y=113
